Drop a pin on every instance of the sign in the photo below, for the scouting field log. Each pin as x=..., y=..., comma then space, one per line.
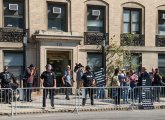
x=100, y=77
x=146, y=93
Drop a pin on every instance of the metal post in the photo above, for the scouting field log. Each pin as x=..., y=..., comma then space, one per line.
x=24, y=56
x=24, y=43
x=104, y=56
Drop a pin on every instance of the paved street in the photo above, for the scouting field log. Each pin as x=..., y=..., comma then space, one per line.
x=111, y=115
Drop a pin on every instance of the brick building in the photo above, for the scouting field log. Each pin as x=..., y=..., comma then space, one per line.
x=55, y=31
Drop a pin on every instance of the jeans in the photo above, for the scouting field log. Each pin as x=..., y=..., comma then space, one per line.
x=67, y=90
x=29, y=91
x=100, y=93
x=51, y=94
x=125, y=94
x=156, y=93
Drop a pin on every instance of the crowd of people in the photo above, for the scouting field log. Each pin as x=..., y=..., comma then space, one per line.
x=123, y=81
x=131, y=83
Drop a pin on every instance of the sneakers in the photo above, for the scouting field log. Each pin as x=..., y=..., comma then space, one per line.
x=29, y=100
x=53, y=107
x=43, y=108
x=67, y=98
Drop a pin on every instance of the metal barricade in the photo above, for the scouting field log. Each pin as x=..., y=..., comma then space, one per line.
x=148, y=96
x=104, y=97
x=89, y=97
x=56, y=99
x=7, y=96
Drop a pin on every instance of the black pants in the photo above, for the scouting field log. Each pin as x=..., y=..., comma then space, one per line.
x=67, y=90
x=90, y=91
x=29, y=91
x=118, y=95
x=51, y=94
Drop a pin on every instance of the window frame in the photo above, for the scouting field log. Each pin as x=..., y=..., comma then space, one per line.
x=104, y=16
x=133, y=55
x=159, y=19
x=13, y=52
x=131, y=22
x=66, y=5
x=14, y=16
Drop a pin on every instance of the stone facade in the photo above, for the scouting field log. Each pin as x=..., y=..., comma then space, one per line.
x=43, y=40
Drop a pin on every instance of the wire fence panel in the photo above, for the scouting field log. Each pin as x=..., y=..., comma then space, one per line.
x=71, y=99
x=7, y=96
x=47, y=98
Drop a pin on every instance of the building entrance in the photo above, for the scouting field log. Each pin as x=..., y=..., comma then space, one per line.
x=59, y=61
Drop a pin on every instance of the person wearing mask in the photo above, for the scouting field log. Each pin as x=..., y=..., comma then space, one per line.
x=126, y=85
x=133, y=84
x=157, y=81
x=88, y=81
x=116, y=91
x=30, y=71
x=48, y=80
x=79, y=74
x=144, y=80
x=66, y=80
x=6, y=78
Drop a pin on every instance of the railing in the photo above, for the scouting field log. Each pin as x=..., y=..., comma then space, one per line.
x=6, y=101
x=27, y=100
x=12, y=34
x=95, y=38
x=132, y=39
x=160, y=40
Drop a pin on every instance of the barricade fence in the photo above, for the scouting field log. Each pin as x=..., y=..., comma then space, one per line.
x=149, y=96
x=72, y=99
x=7, y=96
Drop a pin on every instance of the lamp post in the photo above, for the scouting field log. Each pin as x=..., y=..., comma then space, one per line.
x=24, y=50
x=104, y=55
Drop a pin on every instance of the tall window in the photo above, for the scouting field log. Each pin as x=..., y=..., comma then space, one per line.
x=95, y=18
x=134, y=61
x=161, y=22
x=14, y=60
x=161, y=63
x=57, y=16
x=132, y=21
x=94, y=60
x=13, y=13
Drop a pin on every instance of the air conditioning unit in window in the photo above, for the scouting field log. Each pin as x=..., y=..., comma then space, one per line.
x=96, y=12
x=13, y=7
x=56, y=10
x=163, y=16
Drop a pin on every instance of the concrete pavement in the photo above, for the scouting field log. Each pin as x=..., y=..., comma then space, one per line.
x=110, y=115
x=72, y=105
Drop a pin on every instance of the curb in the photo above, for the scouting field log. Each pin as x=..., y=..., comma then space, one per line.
x=130, y=108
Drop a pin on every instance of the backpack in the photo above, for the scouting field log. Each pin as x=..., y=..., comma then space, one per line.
x=115, y=81
x=25, y=75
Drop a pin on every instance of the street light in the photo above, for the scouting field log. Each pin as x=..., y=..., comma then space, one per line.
x=24, y=50
x=104, y=54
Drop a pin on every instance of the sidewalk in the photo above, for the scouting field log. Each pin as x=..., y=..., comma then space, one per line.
x=72, y=105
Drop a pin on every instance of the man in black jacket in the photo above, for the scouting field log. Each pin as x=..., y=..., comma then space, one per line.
x=48, y=80
x=6, y=82
x=144, y=80
x=88, y=81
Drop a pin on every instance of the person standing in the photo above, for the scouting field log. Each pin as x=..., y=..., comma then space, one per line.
x=133, y=84
x=157, y=82
x=30, y=77
x=144, y=80
x=48, y=80
x=6, y=82
x=116, y=90
x=79, y=74
x=88, y=81
x=66, y=80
